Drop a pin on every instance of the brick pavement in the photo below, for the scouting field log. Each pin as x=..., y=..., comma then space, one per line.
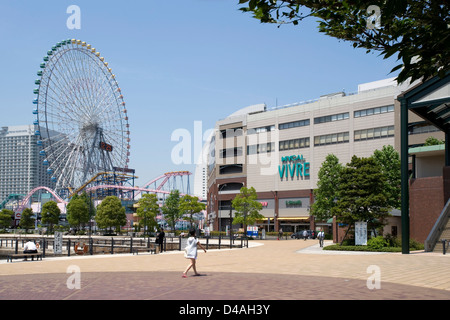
x=291, y=270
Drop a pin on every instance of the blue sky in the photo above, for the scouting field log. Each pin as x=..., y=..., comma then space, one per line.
x=178, y=62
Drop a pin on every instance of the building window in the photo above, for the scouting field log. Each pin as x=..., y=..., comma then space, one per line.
x=334, y=138
x=294, y=144
x=230, y=169
x=421, y=128
x=331, y=118
x=294, y=124
x=261, y=148
x=373, y=111
x=374, y=133
x=231, y=152
x=232, y=132
x=261, y=129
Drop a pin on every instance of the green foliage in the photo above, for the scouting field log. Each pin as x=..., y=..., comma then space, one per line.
x=111, y=213
x=388, y=160
x=361, y=194
x=148, y=210
x=77, y=212
x=246, y=207
x=417, y=31
x=6, y=217
x=26, y=220
x=190, y=205
x=377, y=243
x=327, y=188
x=50, y=214
x=171, y=208
x=432, y=141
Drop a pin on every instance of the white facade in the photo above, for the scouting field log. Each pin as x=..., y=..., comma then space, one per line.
x=280, y=151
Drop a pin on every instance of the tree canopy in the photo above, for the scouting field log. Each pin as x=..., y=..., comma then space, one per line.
x=417, y=31
x=6, y=217
x=111, y=213
x=26, y=220
x=148, y=210
x=190, y=205
x=246, y=207
x=77, y=212
x=50, y=214
x=171, y=208
x=326, y=193
x=362, y=195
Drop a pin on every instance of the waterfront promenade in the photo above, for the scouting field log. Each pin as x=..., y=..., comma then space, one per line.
x=267, y=270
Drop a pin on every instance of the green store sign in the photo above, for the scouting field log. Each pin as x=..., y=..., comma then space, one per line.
x=293, y=204
x=293, y=166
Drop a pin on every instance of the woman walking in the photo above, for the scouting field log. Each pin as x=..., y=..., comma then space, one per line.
x=191, y=252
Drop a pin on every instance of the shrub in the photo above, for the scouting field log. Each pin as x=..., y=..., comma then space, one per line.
x=377, y=243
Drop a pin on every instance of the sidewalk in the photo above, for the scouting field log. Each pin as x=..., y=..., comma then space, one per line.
x=293, y=269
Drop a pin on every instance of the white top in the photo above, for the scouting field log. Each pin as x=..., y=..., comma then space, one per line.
x=30, y=246
x=191, y=248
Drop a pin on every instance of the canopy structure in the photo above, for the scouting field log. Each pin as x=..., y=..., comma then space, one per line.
x=431, y=101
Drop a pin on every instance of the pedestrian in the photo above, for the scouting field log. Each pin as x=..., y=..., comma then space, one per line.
x=190, y=252
x=305, y=234
x=161, y=239
x=280, y=234
x=321, y=236
x=30, y=247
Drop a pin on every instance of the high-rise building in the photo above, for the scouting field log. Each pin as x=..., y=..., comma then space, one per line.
x=21, y=166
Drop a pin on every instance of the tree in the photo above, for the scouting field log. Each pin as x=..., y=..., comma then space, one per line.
x=111, y=213
x=361, y=193
x=246, y=207
x=89, y=203
x=77, y=212
x=6, y=217
x=171, y=208
x=389, y=161
x=148, y=210
x=416, y=30
x=327, y=188
x=26, y=220
x=50, y=214
x=190, y=205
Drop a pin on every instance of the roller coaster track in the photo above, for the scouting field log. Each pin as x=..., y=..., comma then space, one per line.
x=165, y=177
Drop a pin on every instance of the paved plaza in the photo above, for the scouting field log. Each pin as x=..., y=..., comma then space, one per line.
x=267, y=270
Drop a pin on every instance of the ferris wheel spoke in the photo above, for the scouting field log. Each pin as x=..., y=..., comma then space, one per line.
x=79, y=105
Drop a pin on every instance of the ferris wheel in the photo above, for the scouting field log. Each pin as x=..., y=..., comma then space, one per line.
x=81, y=120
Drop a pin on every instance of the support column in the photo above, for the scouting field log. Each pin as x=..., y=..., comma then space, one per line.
x=447, y=149
x=404, y=175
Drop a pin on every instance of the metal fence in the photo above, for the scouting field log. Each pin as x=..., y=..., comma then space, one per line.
x=85, y=245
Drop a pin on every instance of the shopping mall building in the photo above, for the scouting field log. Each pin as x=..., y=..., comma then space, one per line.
x=279, y=152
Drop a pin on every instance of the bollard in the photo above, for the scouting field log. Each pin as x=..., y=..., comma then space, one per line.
x=131, y=244
x=69, y=244
x=444, y=245
x=91, y=246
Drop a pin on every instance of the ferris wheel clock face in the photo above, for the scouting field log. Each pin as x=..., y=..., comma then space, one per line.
x=81, y=119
